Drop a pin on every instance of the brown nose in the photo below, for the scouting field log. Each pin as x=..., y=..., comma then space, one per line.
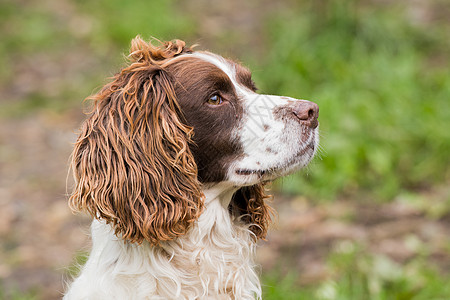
x=307, y=112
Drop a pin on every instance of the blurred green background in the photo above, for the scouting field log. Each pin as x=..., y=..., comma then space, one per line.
x=377, y=195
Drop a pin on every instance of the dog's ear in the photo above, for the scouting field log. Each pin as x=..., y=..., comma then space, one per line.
x=248, y=204
x=132, y=163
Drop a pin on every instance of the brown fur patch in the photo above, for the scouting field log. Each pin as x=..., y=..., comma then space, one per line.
x=152, y=139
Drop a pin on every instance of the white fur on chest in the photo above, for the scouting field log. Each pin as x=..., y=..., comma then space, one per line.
x=214, y=260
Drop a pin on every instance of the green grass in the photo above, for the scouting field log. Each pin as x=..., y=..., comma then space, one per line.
x=383, y=86
x=383, y=104
x=357, y=275
x=98, y=32
x=78, y=262
x=148, y=18
x=15, y=294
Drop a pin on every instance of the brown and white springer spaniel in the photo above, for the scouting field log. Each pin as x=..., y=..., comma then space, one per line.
x=171, y=164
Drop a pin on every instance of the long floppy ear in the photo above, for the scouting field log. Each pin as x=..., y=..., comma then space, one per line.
x=248, y=204
x=132, y=163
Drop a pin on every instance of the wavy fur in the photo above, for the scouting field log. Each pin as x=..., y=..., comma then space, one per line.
x=132, y=162
x=177, y=215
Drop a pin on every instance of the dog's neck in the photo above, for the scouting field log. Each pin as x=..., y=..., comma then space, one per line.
x=215, y=242
x=221, y=192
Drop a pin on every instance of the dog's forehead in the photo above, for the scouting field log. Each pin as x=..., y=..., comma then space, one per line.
x=225, y=65
x=236, y=72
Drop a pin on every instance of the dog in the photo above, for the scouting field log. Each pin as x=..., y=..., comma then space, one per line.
x=171, y=164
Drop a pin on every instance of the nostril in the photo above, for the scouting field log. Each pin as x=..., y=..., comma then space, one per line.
x=307, y=112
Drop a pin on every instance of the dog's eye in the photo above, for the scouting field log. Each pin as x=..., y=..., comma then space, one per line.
x=215, y=100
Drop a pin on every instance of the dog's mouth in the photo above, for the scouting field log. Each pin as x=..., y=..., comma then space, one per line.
x=274, y=172
x=246, y=172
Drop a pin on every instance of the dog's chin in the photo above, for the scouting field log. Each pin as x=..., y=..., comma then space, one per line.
x=299, y=160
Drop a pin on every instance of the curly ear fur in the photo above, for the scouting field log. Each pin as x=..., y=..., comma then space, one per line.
x=132, y=164
x=248, y=204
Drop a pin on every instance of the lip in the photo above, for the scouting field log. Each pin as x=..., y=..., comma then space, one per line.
x=260, y=173
x=247, y=172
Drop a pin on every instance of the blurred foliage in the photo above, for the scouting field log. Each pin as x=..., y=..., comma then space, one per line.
x=94, y=33
x=15, y=294
x=36, y=26
x=78, y=262
x=156, y=19
x=357, y=275
x=382, y=83
x=384, y=105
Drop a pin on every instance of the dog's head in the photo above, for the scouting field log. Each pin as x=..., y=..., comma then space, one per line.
x=173, y=121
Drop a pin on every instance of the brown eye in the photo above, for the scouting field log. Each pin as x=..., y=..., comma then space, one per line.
x=215, y=100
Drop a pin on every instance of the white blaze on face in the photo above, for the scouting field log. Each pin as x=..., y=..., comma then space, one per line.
x=272, y=145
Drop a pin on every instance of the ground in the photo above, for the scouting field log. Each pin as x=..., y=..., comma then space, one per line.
x=41, y=237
